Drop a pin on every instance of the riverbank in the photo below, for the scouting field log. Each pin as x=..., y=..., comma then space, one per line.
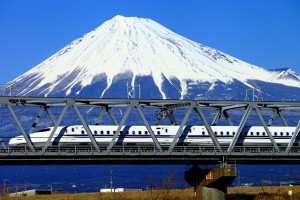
x=242, y=193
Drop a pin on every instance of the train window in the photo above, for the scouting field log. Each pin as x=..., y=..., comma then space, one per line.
x=275, y=133
x=95, y=132
x=166, y=130
x=227, y=133
x=221, y=132
x=216, y=132
x=146, y=132
x=281, y=133
x=133, y=132
x=158, y=132
x=251, y=133
x=264, y=133
x=203, y=132
x=287, y=133
x=233, y=133
x=108, y=132
x=44, y=130
x=73, y=129
x=114, y=132
x=126, y=132
x=140, y=132
x=82, y=132
x=101, y=132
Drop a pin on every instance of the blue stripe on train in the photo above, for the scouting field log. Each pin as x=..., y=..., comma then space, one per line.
x=172, y=136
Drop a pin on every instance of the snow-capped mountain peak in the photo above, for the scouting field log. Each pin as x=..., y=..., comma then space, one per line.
x=130, y=49
x=286, y=74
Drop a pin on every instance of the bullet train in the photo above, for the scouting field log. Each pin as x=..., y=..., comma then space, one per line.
x=138, y=135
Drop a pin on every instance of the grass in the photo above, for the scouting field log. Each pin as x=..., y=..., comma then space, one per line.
x=264, y=192
x=244, y=193
x=144, y=195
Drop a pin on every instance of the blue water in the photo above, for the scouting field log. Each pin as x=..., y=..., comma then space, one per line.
x=90, y=178
x=87, y=178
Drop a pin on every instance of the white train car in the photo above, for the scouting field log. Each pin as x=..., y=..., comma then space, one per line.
x=139, y=135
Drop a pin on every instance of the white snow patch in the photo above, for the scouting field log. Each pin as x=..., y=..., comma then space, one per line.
x=213, y=85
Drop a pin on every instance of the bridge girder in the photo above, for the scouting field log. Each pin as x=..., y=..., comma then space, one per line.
x=166, y=107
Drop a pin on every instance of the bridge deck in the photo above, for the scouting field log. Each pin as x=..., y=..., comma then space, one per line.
x=148, y=155
x=208, y=113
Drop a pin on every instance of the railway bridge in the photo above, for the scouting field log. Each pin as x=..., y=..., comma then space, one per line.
x=25, y=115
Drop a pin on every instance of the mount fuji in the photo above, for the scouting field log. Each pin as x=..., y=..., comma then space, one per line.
x=127, y=51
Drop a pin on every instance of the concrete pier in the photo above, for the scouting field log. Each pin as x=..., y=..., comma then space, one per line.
x=211, y=183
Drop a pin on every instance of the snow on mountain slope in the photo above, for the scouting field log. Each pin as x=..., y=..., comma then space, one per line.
x=133, y=49
x=285, y=75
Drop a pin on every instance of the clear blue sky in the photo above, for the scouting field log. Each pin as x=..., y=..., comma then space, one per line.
x=265, y=33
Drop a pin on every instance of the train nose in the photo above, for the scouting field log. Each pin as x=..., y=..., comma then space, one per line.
x=12, y=142
x=16, y=141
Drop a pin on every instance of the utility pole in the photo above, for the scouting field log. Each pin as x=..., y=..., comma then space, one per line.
x=51, y=189
x=131, y=91
x=5, y=188
x=255, y=97
x=11, y=86
x=239, y=180
x=111, y=180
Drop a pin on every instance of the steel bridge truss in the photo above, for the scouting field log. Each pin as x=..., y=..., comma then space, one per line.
x=157, y=153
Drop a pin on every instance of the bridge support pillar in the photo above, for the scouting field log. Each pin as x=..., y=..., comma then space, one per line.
x=211, y=183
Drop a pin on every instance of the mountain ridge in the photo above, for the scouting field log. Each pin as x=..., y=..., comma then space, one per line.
x=140, y=51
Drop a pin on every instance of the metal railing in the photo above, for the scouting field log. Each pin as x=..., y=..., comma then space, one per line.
x=148, y=150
